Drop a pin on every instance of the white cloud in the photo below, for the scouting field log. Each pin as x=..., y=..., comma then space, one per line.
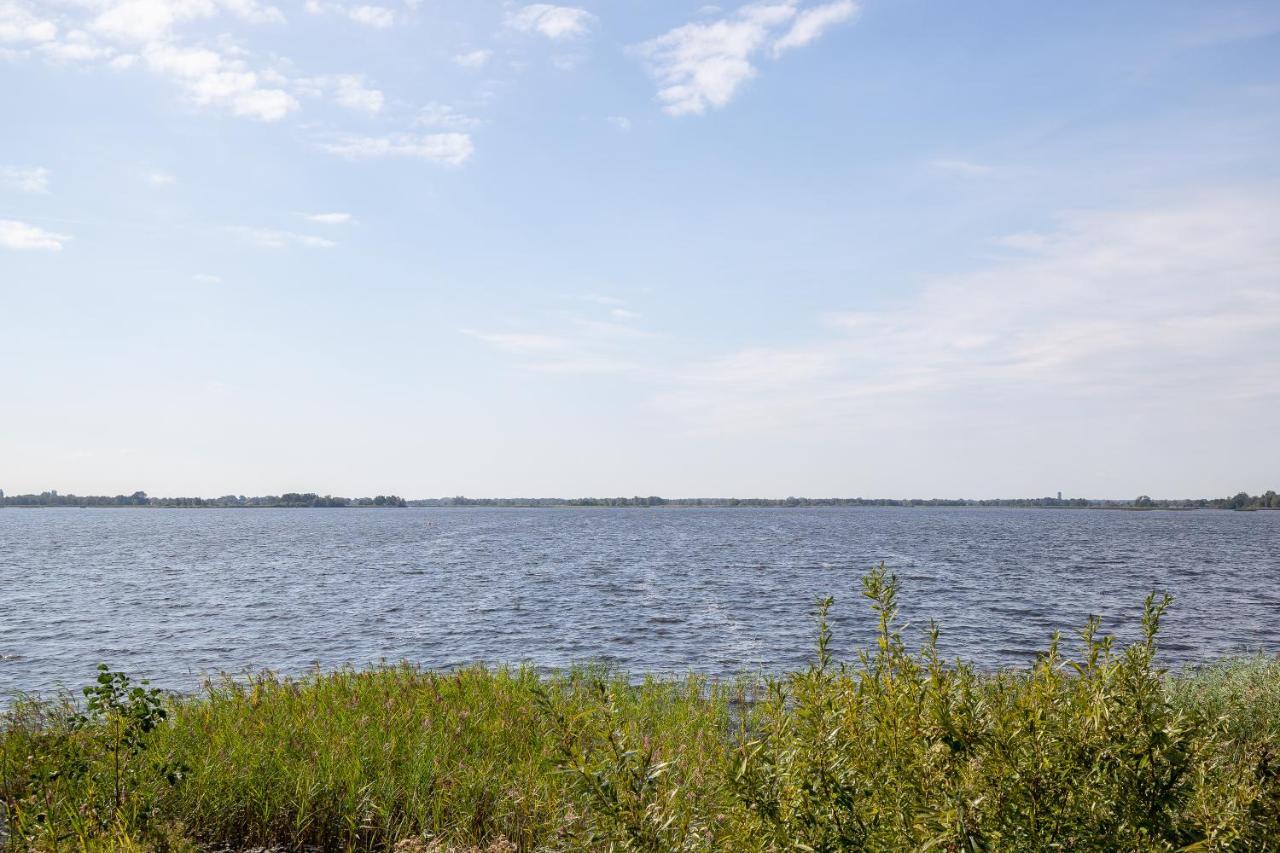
x=584, y=365
x=347, y=90
x=762, y=368
x=473, y=58
x=110, y=31
x=554, y=354
x=452, y=149
x=350, y=91
x=581, y=343
x=18, y=24
x=701, y=66
x=21, y=236
x=964, y=168
x=268, y=238
x=620, y=122
x=329, y=218
x=568, y=61
x=602, y=299
x=158, y=178
x=368, y=15
x=206, y=278
x=27, y=179
x=1025, y=241
x=812, y=23
x=554, y=22
x=445, y=117
x=75, y=46
x=253, y=12
x=521, y=343
x=147, y=21
x=1111, y=309
x=378, y=17
x=209, y=78
x=609, y=332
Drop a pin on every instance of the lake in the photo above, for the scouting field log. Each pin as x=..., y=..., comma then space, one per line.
x=174, y=594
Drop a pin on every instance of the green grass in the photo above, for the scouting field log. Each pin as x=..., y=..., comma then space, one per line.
x=1098, y=750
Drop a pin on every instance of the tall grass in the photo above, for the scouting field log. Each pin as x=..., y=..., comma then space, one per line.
x=1090, y=749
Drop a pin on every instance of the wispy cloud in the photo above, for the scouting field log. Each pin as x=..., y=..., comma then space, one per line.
x=600, y=299
x=366, y=14
x=450, y=149
x=26, y=179
x=269, y=238
x=620, y=122
x=702, y=65
x=585, y=365
x=22, y=237
x=154, y=35
x=810, y=24
x=378, y=17
x=211, y=78
x=445, y=117
x=580, y=341
x=346, y=90
x=351, y=92
x=554, y=22
x=159, y=178
x=521, y=343
x=150, y=21
x=473, y=58
x=1144, y=304
x=964, y=168
x=77, y=46
x=1026, y=241
x=329, y=218
x=19, y=24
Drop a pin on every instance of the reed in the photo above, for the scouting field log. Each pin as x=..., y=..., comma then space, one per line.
x=1095, y=748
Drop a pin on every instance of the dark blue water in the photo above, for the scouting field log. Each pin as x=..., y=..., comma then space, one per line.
x=172, y=594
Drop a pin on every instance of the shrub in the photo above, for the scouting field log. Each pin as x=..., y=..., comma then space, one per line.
x=899, y=750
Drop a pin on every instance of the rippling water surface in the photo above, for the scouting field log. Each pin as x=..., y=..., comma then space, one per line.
x=172, y=594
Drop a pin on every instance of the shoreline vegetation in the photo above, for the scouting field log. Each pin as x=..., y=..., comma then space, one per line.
x=1092, y=747
x=301, y=500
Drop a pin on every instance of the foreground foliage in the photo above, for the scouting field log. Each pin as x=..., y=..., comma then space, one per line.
x=894, y=750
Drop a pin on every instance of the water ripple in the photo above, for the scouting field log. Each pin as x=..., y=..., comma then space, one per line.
x=171, y=594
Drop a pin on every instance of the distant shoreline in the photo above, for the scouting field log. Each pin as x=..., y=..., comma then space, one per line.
x=1240, y=502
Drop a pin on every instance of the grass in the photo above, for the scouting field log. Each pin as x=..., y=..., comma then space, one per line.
x=897, y=749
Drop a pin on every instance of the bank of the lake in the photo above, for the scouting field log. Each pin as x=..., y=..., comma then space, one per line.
x=1091, y=748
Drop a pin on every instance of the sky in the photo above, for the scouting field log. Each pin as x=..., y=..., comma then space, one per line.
x=877, y=248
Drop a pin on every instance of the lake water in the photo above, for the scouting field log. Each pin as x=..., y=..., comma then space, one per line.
x=173, y=594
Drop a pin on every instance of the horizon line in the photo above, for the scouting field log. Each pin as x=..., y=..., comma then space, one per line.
x=141, y=497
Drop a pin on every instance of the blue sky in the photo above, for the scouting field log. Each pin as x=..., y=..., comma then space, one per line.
x=807, y=247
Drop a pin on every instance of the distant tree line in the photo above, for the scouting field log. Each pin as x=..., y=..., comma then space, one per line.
x=289, y=499
x=651, y=500
x=1269, y=500
x=1242, y=500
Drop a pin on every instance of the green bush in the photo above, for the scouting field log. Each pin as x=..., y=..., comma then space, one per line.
x=893, y=750
x=900, y=751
